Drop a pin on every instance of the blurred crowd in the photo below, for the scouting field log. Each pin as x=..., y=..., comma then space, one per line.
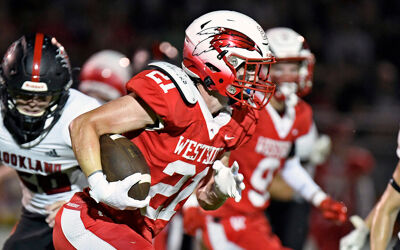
x=356, y=90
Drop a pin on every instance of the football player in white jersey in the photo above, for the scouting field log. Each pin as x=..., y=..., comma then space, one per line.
x=380, y=221
x=36, y=109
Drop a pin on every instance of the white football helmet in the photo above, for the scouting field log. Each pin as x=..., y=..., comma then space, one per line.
x=229, y=52
x=104, y=75
x=289, y=46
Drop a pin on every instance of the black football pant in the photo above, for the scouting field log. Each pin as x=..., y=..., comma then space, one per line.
x=289, y=221
x=32, y=232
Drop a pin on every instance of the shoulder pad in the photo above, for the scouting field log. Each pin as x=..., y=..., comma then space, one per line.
x=182, y=82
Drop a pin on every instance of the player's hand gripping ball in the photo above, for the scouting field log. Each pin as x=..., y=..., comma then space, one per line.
x=121, y=158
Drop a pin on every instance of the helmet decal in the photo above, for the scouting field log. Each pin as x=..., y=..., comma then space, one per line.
x=37, y=56
x=225, y=38
x=34, y=86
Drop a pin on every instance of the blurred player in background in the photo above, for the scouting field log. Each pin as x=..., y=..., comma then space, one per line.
x=184, y=123
x=37, y=107
x=288, y=212
x=105, y=74
x=285, y=128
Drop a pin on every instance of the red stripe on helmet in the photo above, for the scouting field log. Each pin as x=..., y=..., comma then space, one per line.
x=234, y=39
x=37, y=56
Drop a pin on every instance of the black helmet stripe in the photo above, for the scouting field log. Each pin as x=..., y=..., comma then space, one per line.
x=37, y=56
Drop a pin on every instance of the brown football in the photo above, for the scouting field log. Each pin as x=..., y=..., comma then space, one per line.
x=121, y=158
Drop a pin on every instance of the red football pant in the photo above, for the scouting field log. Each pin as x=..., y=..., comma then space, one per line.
x=78, y=226
x=240, y=232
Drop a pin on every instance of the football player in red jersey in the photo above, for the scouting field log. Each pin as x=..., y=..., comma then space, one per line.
x=284, y=127
x=185, y=121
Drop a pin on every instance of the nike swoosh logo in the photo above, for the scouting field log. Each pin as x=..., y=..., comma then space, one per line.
x=229, y=137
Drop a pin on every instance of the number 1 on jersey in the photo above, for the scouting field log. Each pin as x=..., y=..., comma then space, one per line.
x=155, y=76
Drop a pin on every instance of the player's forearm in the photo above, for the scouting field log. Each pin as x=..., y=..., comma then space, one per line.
x=384, y=218
x=85, y=143
x=280, y=190
x=381, y=231
x=370, y=217
x=6, y=173
x=386, y=212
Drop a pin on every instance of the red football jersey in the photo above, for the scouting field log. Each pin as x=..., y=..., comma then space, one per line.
x=264, y=155
x=181, y=149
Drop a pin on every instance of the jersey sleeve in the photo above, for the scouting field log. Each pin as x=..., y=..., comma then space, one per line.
x=305, y=121
x=304, y=144
x=77, y=104
x=160, y=93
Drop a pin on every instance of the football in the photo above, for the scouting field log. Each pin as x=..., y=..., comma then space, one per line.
x=121, y=158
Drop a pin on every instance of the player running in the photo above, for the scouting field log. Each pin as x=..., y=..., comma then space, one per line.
x=184, y=122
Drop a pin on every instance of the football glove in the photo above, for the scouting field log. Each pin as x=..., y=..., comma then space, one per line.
x=228, y=181
x=115, y=194
x=356, y=239
x=333, y=210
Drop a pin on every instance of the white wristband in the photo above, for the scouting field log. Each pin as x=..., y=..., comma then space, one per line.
x=96, y=181
x=95, y=178
x=318, y=197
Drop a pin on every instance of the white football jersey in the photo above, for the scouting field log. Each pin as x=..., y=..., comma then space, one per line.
x=48, y=171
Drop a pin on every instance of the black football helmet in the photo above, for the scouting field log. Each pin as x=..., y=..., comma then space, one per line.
x=34, y=66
